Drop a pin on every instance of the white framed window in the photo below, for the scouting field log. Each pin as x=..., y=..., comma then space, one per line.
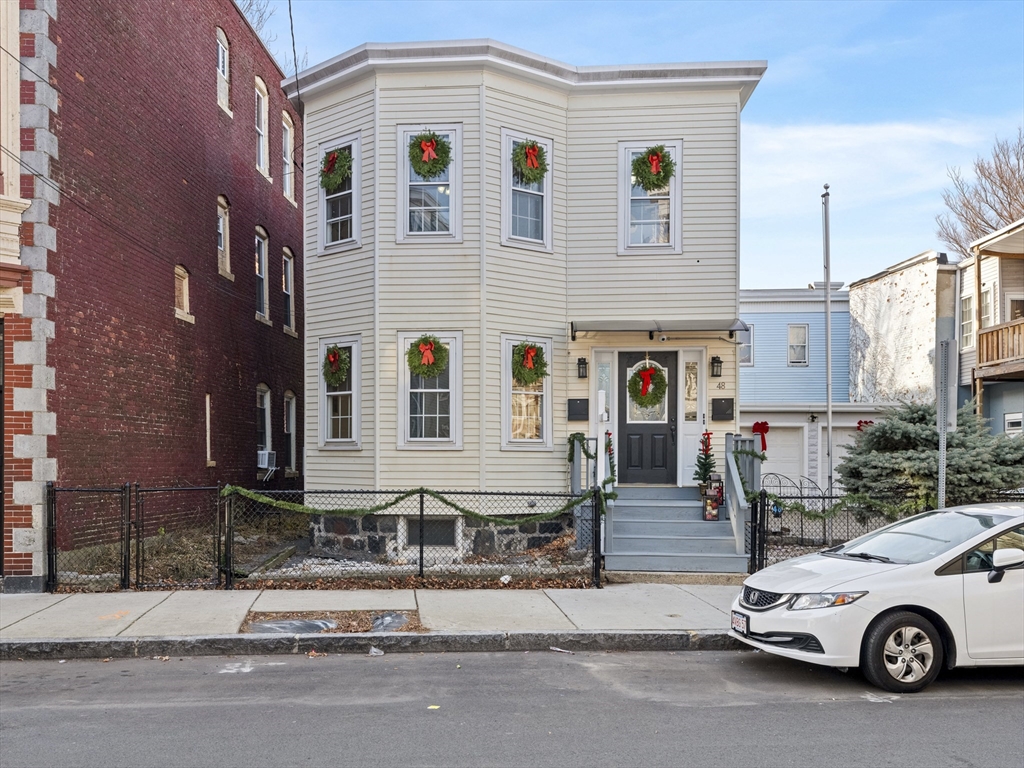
x=264, y=434
x=986, y=308
x=1013, y=424
x=209, y=432
x=525, y=208
x=224, y=237
x=262, y=137
x=430, y=209
x=430, y=409
x=223, y=71
x=649, y=221
x=797, y=344
x=288, y=289
x=340, y=210
x=340, y=405
x=288, y=431
x=181, y=302
x=966, y=322
x=745, y=346
x=262, y=286
x=1013, y=304
x=525, y=410
x=288, y=156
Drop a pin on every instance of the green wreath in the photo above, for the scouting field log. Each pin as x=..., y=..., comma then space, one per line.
x=335, y=366
x=531, y=169
x=522, y=372
x=429, y=160
x=643, y=169
x=656, y=392
x=335, y=169
x=419, y=359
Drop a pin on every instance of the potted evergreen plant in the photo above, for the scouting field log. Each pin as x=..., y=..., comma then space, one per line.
x=705, y=464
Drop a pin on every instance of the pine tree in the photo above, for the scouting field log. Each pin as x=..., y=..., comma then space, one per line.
x=705, y=460
x=897, y=458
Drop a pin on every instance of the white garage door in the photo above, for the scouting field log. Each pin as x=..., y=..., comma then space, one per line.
x=842, y=439
x=785, y=451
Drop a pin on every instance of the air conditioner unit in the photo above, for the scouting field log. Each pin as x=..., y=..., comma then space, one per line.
x=266, y=459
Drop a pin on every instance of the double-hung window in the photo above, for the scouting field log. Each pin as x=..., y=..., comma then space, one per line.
x=526, y=207
x=261, y=274
x=966, y=322
x=223, y=71
x=340, y=207
x=288, y=289
x=430, y=407
x=287, y=156
x=262, y=142
x=986, y=308
x=263, y=432
x=649, y=219
x=181, y=302
x=339, y=402
x=289, y=432
x=798, y=344
x=224, y=237
x=430, y=208
x=525, y=408
x=745, y=346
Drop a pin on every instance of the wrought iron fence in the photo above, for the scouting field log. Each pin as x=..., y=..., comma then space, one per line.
x=470, y=535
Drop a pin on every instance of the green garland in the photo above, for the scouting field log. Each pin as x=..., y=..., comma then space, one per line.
x=336, y=365
x=581, y=439
x=520, y=372
x=520, y=162
x=290, y=506
x=438, y=158
x=646, y=178
x=656, y=393
x=415, y=357
x=335, y=168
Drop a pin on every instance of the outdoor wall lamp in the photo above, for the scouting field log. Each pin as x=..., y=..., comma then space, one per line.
x=716, y=367
x=581, y=367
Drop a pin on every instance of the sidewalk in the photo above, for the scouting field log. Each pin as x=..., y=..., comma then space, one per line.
x=195, y=623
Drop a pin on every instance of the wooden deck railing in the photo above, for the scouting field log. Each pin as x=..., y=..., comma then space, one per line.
x=1001, y=344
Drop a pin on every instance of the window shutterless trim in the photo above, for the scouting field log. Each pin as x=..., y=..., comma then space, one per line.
x=545, y=443
x=287, y=157
x=454, y=233
x=353, y=443
x=263, y=393
x=262, y=274
x=323, y=248
x=625, y=173
x=288, y=288
x=454, y=443
x=750, y=331
x=806, y=345
x=509, y=138
x=262, y=121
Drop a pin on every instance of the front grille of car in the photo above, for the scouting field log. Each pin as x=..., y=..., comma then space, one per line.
x=796, y=641
x=759, y=599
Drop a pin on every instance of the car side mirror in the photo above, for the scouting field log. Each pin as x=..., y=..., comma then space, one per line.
x=1003, y=559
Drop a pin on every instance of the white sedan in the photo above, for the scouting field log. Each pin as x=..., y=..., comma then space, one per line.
x=943, y=588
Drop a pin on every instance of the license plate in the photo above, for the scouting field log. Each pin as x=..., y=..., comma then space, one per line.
x=740, y=622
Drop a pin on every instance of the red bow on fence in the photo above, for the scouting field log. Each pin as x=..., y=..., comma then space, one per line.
x=332, y=159
x=531, y=156
x=646, y=375
x=428, y=353
x=428, y=148
x=333, y=358
x=761, y=428
x=528, y=355
x=861, y=424
x=655, y=160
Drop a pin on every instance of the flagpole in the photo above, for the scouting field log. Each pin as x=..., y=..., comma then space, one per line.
x=828, y=335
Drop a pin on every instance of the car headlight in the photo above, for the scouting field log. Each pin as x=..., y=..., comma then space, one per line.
x=824, y=600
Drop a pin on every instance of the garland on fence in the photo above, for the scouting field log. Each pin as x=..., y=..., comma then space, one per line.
x=581, y=439
x=232, y=490
x=427, y=357
x=429, y=154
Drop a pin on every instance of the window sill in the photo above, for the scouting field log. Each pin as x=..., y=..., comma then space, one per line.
x=353, y=446
x=291, y=332
x=225, y=273
x=526, y=245
x=650, y=250
x=333, y=248
x=264, y=319
x=227, y=111
x=526, y=447
x=292, y=200
x=452, y=446
x=798, y=365
x=265, y=174
x=211, y=464
x=289, y=473
x=185, y=316
x=425, y=237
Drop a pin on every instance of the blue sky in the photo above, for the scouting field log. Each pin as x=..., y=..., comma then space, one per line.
x=875, y=98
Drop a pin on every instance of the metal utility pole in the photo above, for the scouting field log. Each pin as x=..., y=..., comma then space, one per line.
x=828, y=335
x=946, y=370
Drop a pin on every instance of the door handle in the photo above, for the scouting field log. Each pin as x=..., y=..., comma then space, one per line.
x=672, y=430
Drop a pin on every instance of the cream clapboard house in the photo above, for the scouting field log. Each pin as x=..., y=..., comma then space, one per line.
x=579, y=265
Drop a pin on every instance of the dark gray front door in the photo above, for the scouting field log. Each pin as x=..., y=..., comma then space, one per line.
x=647, y=436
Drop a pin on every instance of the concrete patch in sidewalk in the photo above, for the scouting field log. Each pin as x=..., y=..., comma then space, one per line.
x=202, y=612
x=297, y=600
x=14, y=608
x=485, y=610
x=87, y=615
x=638, y=607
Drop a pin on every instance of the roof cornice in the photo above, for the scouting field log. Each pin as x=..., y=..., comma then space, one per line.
x=460, y=54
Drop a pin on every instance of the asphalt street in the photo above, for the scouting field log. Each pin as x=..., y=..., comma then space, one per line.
x=498, y=709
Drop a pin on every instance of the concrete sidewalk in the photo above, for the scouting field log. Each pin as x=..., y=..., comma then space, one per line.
x=618, y=617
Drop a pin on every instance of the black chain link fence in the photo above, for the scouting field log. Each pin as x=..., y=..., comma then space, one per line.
x=87, y=539
x=178, y=539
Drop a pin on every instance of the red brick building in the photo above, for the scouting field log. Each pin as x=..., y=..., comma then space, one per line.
x=160, y=269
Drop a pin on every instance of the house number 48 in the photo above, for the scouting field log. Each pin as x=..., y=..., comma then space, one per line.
x=721, y=385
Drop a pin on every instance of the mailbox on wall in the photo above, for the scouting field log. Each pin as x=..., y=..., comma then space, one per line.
x=722, y=409
x=579, y=409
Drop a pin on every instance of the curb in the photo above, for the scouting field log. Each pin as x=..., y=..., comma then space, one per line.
x=391, y=642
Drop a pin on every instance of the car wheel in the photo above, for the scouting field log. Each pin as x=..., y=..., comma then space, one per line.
x=902, y=653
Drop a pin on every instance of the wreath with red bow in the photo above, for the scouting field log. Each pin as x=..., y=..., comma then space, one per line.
x=429, y=154
x=654, y=168
x=647, y=386
x=529, y=161
x=427, y=357
x=335, y=169
x=336, y=365
x=528, y=363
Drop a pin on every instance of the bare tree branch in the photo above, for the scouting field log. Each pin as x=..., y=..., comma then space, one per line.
x=258, y=12
x=992, y=201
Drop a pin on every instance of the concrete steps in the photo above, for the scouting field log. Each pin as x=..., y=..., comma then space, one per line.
x=679, y=563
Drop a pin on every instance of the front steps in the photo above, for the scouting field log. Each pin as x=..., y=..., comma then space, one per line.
x=660, y=528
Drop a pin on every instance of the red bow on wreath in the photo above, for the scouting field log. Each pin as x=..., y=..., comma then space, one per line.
x=528, y=354
x=655, y=160
x=861, y=424
x=333, y=359
x=531, y=161
x=646, y=375
x=428, y=353
x=761, y=428
x=429, y=154
x=332, y=159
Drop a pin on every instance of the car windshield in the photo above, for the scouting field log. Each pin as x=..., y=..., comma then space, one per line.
x=921, y=537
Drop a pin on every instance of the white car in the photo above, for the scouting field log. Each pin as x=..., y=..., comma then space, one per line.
x=940, y=588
